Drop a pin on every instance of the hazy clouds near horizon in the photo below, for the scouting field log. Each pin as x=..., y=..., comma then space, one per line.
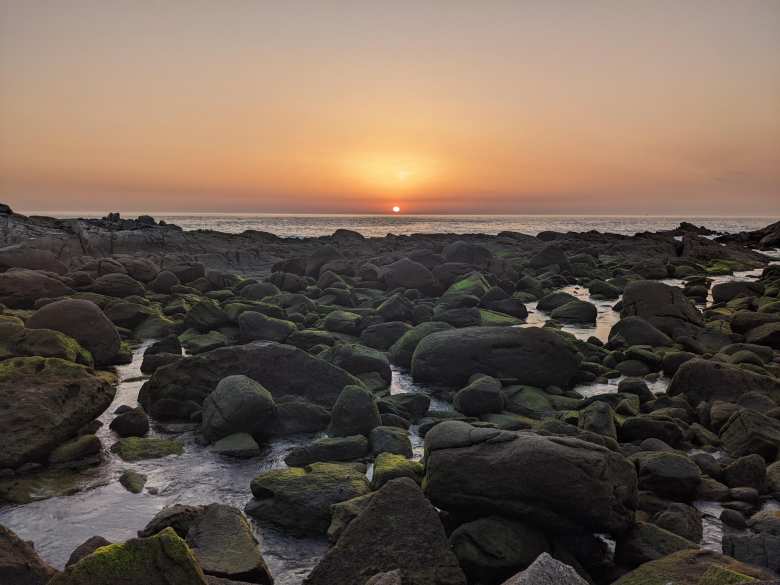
x=345, y=106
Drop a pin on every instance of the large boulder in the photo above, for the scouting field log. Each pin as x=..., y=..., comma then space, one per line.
x=162, y=559
x=358, y=359
x=282, y=369
x=576, y=311
x=254, y=326
x=43, y=403
x=117, y=285
x=637, y=331
x=354, y=413
x=85, y=322
x=406, y=273
x=701, y=380
x=767, y=334
x=546, y=570
x=237, y=405
x=403, y=349
x=663, y=306
x=725, y=291
x=25, y=256
x=300, y=499
x=223, y=544
x=692, y=567
x=399, y=529
x=532, y=356
x=749, y=432
x=555, y=482
x=19, y=563
x=20, y=288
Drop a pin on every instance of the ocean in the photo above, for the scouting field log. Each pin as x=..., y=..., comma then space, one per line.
x=310, y=225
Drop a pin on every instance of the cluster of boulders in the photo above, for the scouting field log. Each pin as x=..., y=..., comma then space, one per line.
x=525, y=478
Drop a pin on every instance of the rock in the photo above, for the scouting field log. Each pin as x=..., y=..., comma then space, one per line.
x=553, y=300
x=86, y=548
x=636, y=386
x=139, y=448
x=747, y=471
x=663, y=306
x=681, y=519
x=476, y=471
x=748, y=432
x=494, y=548
x=637, y=331
x=343, y=322
x=76, y=449
x=648, y=542
x=668, y=474
x=481, y=396
x=760, y=550
x=550, y=255
x=598, y=417
x=531, y=356
x=178, y=516
x=237, y=405
x=300, y=499
x=294, y=415
x=773, y=478
x=725, y=291
x=390, y=440
x=402, y=350
x=689, y=566
x=545, y=570
x=205, y=316
x=389, y=466
x=43, y=403
x=132, y=481
x=85, y=322
x=19, y=563
x=604, y=290
x=223, y=544
x=163, y=559
x=132, y=423
x=164, y=282
x=388, y=578
x=467, y=253
x=358, y=359
x=238, y=445
x=354, y=413
x=20, y=288
x=576, y=311
x=254, y=326
x=768, y=334
x=638, y=428
x=117, y=285
x=259, y=290
x=397, y=308
x=328, y=449
x=383, y=335
x=282, y=369
x=25, y=256
x=702, y=380
x=197, y=343
x=399, y=529
x=406, y=273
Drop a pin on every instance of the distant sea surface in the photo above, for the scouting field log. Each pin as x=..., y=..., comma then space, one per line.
x=297, y=226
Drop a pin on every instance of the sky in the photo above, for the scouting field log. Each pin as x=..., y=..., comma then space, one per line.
x=436, y=106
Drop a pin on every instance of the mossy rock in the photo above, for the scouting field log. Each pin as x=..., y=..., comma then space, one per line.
x=391, y=466
x=78, y=448
x=474, y=284
x=163, y=559
x=132, y=481
x=139, y=448
x=495, y=319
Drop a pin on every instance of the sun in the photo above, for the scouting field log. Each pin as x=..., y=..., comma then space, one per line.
x=396, y=209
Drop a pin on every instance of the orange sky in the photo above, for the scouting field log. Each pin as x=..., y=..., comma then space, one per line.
x=353, y=106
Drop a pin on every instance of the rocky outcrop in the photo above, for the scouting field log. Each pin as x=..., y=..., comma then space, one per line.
x=528, y=356
x=398, y=529
x=554, y=482
x=43, y=403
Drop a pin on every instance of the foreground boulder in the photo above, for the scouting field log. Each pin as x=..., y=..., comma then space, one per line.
x=701, y=380
x=163, y=559
x=85, y=322
x=43, y=403
x=546, y=570
x=300, y=499
x=663, y=306
x=20, y=288
x=550, y=481
x=530, y=356
x=282, y=369
x=237, y=405
x=399, y=529
x=19, y=563
x=689, y=567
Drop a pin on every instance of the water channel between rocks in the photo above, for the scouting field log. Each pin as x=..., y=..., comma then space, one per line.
x=97, y=504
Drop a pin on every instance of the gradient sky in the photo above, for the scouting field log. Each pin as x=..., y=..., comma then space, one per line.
x=439, y=106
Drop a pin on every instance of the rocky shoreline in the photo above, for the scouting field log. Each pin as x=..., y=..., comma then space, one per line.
x=250, y=339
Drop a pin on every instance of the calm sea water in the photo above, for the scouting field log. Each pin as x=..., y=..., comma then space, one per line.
x=287, y=225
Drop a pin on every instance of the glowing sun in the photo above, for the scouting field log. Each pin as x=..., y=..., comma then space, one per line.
x=396, y=209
